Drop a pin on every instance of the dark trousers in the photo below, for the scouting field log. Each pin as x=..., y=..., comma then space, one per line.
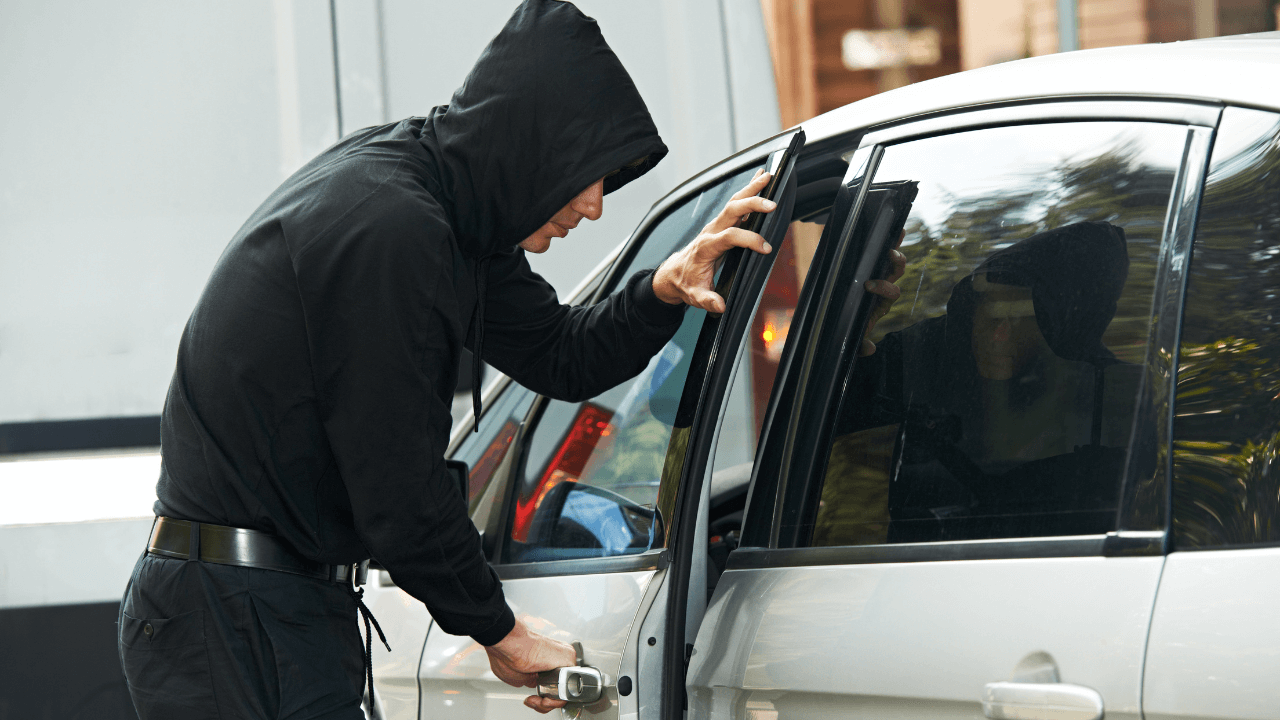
x=199, y=640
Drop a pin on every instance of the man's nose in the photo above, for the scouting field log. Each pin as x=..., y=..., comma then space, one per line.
x=590, y=202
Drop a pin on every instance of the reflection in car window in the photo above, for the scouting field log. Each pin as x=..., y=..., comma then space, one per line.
x=1000, y=402
x=592, y=476
x=1227, y=423
x=484, y=450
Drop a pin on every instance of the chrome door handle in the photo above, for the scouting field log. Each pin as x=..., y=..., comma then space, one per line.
x=1040, y=701
x=576, y=684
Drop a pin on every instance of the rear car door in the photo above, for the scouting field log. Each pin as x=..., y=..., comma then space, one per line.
x=1215, y=636
x=578, y=510
x=971, y=521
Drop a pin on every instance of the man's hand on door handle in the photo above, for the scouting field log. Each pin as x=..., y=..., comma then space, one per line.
x=522, y=654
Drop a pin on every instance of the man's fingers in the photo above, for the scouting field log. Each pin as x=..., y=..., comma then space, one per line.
x=737, y=237
x=745, y=201
x=754, y=187
x=735, y=210
x=899, y=264
x=543, y=705
x=885, y=289
x=708, y=300
x=554, y=653
x=868, y=348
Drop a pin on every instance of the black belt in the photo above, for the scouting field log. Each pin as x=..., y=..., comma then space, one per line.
x=244, y=548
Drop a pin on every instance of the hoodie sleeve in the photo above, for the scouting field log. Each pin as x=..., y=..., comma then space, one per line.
x=571, y=353
x=380, y=342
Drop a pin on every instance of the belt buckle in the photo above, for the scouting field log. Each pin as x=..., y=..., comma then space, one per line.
x=355, y=573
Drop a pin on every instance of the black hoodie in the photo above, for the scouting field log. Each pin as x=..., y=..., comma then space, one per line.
x=312, y=394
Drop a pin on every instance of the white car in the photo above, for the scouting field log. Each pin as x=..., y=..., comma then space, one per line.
x=1051, y=493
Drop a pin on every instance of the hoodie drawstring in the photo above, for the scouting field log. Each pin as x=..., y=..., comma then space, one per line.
x=477, y=331
x=368, y=642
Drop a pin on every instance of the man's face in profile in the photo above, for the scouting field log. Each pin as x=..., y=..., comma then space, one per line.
x=588, y=204
x=1005, y=333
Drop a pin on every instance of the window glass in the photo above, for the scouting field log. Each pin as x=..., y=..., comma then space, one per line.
x=592, y=476
x=1000, y=400
x=1227, y=423
x=485, y=450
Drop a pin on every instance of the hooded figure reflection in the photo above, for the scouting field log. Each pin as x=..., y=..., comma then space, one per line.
x=1011, y=412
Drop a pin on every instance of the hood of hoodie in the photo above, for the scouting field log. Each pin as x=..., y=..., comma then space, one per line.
x=545, y=112
x=1075, y=273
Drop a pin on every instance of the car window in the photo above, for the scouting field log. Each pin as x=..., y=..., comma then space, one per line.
x=484, y=450
x=1227, y=422
x=591, y=485
x=1000, y=400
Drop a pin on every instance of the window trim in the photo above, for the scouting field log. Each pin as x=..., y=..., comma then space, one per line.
x=1164, y=341
x=1177, y=112
x=1200, y=120
x=655, y=559
x=1114, y=544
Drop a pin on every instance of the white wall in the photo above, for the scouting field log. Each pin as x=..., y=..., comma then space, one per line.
x=137, y=136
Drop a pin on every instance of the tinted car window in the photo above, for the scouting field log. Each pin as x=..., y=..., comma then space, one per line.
x=1227, y=423
x=1000, y=401
x=591, y=486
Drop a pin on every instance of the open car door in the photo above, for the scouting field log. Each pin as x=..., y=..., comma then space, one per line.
x=588, y=509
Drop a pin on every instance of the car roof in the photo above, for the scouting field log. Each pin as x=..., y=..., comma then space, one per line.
x=1237, y=70
x=1224, y=70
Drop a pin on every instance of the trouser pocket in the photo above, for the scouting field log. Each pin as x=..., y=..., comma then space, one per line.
x=166, y=661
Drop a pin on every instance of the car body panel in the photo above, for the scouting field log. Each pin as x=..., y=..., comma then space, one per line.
x=920, y=640
x=1215, y=637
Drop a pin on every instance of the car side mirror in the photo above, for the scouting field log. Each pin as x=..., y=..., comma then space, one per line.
x=593, y=521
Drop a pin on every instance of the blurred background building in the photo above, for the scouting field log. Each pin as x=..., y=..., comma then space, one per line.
x=828, y=53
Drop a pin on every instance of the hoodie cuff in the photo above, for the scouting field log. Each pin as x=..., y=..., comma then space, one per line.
x=500, y=629
x=650, y=309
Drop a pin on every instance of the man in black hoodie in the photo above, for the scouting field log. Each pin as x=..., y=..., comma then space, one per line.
x=310, y=406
